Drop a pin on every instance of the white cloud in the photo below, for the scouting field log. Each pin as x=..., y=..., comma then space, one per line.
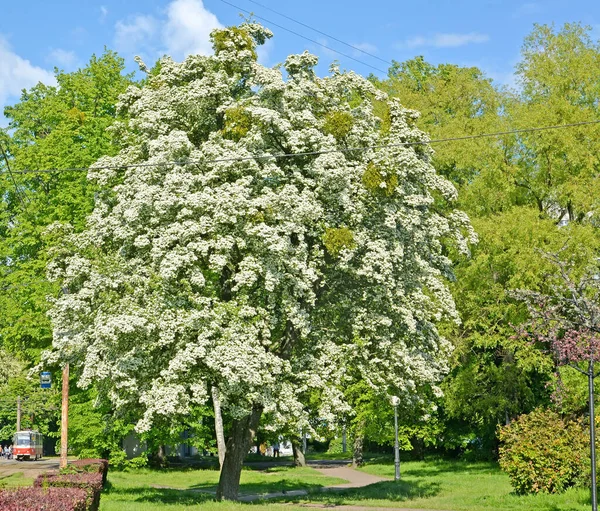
x=326, y=48
x=527, y=9
x=366, y=47
x=103, y=13
x=135, y=34
x=17, y=73
x=264, y=52
x=188, y=28
x=445, y=40
x=184, y=29
x=63, y=59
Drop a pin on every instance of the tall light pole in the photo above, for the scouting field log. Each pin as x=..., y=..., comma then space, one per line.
x=592, y=433
x=395, y=403
x=64, y=422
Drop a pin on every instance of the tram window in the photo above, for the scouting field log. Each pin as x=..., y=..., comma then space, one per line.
x=23, y=439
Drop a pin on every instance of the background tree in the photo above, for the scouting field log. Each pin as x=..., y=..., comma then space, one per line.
x=519, y=190
x=51, y=127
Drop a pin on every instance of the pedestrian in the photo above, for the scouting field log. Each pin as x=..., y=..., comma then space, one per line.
x=276, y=450
x=10, y=452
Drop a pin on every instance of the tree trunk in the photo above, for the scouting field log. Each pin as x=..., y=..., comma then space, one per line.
x=219, y=426
x=161, y=456
x=238, y=445
x=299, y=459
x=357, y=452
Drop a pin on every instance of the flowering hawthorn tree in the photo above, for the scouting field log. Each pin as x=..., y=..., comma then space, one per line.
x=204, y=265
x=568, y=321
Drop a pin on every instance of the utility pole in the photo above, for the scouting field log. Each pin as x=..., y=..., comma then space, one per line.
x=18, y=413
x=395, y=403
x=64, y=420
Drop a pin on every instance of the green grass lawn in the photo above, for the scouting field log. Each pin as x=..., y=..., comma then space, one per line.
x=453, y=486
x=440, y=485
x=146, y=490
x=16, y=479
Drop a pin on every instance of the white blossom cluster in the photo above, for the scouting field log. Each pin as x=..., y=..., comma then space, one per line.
x=271, y=278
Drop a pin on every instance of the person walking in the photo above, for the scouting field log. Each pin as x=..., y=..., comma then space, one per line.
x=276, y=450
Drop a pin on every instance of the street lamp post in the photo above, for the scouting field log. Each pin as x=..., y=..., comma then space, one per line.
x=592, y=434
x=395, y=402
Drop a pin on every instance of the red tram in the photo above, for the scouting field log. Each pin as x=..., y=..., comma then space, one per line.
x=27, y=445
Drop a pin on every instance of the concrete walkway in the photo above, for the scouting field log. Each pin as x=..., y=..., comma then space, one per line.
x=355, y=478
x=346, y=507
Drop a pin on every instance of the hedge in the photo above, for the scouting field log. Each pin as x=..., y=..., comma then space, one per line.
x=46, y=499
x=89, y=481
x=92, y=465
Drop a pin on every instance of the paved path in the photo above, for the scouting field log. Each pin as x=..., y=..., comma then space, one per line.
x=355, y=478
x=29, y=468
x=356, y=508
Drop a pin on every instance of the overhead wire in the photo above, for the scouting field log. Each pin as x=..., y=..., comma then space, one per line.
x=266, y=156
x=322, y=33
x=304, y=37
x=18, y=192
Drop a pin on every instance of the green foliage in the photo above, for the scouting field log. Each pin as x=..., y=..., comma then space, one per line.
x=543, y=452
x=379, y=181
x=335, y=446
x=238, y=122
x=50, y=128
x=338, y=124
x=338, y=239
x=39, y=407
x=519, y=191
x=234, y=39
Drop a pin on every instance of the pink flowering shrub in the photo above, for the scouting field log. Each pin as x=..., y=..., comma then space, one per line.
x=46, y=499
x=92, y=465
x=88, y=481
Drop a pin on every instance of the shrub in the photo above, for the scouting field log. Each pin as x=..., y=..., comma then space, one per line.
x=92, y=465
x=88, y=481
x=48, y=499
x=335, y=446
x=542, y=452
x=137, y=462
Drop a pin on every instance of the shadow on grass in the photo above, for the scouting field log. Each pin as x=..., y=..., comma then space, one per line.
x=157, y=496
x=400, y=491
x=433, y=469
x=263, y=488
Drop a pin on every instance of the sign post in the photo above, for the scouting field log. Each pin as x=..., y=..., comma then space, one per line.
x=46, y=380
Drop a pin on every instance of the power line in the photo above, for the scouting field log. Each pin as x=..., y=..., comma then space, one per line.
x=304, y=37
x=322, y=33
x=267, y=156
x=18, y=192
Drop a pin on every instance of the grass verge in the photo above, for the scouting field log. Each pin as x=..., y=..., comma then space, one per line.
x=452, y=486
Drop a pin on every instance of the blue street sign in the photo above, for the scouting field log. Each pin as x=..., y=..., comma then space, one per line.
x=46, y=380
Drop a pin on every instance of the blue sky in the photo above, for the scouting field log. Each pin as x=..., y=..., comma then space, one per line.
x=37, y=35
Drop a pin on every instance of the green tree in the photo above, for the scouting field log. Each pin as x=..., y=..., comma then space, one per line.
x=52, y=127
x=520, y=190
x=263, y=276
